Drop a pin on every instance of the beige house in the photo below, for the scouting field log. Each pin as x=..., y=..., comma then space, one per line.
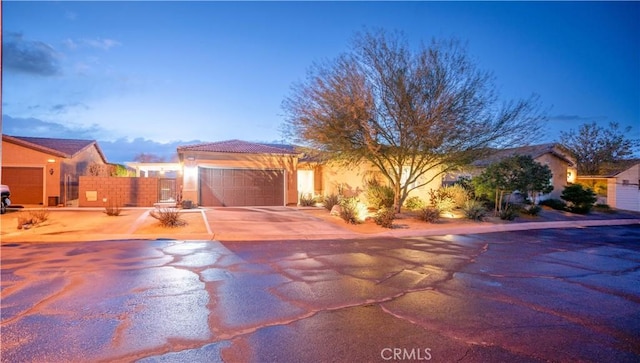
x=45, y=171
x=239, y=173
x=562, y=166
x=622, y=185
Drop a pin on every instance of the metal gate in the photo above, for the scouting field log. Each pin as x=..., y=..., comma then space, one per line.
x=166, y=190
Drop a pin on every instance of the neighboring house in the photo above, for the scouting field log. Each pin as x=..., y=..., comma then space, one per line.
x=623, y=185
x=239, y=173
x=562, y=166
x=45, y=171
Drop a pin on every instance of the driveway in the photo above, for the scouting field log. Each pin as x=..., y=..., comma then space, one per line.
x=541, y=295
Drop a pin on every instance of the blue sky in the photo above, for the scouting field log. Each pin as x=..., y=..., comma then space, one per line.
x=148, y=76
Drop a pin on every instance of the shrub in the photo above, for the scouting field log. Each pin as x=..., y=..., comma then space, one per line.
x=168, y=217
x=385, y=217
x=349, y=210
x=556, y=204
x=414, y=203
x=532, y=210
x=113, y=209
x=330, y=200
x=428, y=214
x=509, y=213
x=32, y=218
x=442, y=199
x=379, y=195
x=605, y=208
x=474, y=210
x=307, y=200
x=579, y=199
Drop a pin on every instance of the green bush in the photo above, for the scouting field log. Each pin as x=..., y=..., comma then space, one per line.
x=509, y=213
x=474, y=210
x=414, y=203
x=556, y=204
x=307, y=200
x=385, y=217
x=349, y=210
x=428, y=214
x=379, y=195
x=330, y=200
x=168, y=217
x=604, y=208
x=579, y=199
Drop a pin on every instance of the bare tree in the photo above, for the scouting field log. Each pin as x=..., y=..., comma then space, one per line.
x=596, y=148
x=408, y=113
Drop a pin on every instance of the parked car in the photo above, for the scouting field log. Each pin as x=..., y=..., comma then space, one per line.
x=5, y=194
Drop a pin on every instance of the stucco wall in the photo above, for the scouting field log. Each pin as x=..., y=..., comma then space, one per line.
x=124, y=192
x=352, y=180
x=559, y=170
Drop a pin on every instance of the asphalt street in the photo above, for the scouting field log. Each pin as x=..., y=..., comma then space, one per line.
x=526, y=296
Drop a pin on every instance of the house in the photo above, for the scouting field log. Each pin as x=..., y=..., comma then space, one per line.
x=239, y=173
x=45, y=171
x=562, y=166
x=622, y=184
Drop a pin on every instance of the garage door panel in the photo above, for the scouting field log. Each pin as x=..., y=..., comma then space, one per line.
x=241, y=187
x=26, y=184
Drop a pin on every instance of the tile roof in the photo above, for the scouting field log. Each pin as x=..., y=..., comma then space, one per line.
x=534, y=151
x=66, y=148
x=239, y=146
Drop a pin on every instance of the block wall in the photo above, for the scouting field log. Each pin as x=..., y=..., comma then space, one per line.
x=97, y=191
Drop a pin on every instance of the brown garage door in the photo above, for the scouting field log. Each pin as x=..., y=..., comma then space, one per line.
x=241, y=187
x=26, y=184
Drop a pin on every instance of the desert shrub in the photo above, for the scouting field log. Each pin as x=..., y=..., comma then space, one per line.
x=385, y=217
x=330, y=200
x=168, y=217
x=378, y=195
x=442, y=199
x=605, y=208
x=307, y=200
x=474, y=210
x=531, y=209
x=579, y=199
x=349, y=210
x=113, y=209
x=556, y=204
x=428, y=214
x=459, y=193
x=32, y=218
x=509, y=212
x=414, y=203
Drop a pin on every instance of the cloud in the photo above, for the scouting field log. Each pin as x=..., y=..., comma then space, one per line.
x=123, y=150
x=104, y=44
x=117, y=151
x=28, y=56
x=34, y=127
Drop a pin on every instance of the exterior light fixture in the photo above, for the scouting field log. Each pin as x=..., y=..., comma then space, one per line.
x=51, y=171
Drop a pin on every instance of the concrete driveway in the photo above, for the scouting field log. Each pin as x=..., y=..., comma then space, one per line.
x=543, y=295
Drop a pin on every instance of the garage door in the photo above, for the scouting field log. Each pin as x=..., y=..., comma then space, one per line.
x=26, y=184
x=241, y=187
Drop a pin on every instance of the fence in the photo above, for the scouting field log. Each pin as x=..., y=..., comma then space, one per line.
x=98, y=191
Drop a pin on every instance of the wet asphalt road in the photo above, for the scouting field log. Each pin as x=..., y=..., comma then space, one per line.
x=544, y=295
